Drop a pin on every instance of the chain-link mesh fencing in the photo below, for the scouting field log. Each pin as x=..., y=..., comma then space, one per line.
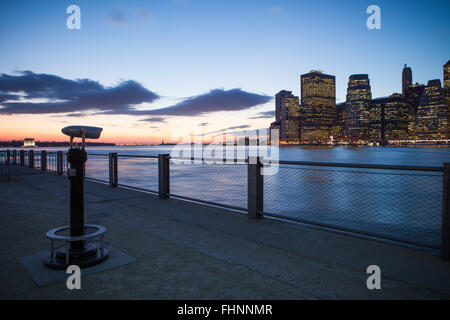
x=393, y=204
x=97, y=167
x=219, y=183
x=139, y=173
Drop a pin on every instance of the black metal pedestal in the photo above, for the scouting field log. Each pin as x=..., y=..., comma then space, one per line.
x=78, y=252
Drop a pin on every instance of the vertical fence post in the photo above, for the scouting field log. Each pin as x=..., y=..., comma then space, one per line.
x=255, y=188
x=22, y=158
x=14, y=157
x=31, y=159
x=8, y=156
x=44, y=160
x=113, y=167
x=163, y=176
x=446, y=213
x=59, y=163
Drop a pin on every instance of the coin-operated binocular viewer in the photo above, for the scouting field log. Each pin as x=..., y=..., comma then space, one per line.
x=84, y=244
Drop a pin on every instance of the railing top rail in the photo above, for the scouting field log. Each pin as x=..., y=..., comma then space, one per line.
x=363, y=166
x=136, y=156
x=239, y=160
x=124, y=155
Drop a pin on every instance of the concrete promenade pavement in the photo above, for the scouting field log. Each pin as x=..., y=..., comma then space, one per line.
x=191, y=251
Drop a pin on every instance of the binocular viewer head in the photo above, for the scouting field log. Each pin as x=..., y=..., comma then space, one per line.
x=83, y=132
x=78, y=131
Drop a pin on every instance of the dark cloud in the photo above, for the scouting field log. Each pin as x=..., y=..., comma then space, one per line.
x=68, y=96
x=252, y=133
x=245, y=126
x=264, y=115
x=75, y=114
x=154, y=119
x=6, y=96
x=74, y=97
x=213, y=101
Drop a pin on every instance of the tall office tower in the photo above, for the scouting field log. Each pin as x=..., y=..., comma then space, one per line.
x=292, y=119
x=274, y=126
x=278, y=98
x=447, y=91
x=432, y=113
x=357, y=107
x=280, y=111
x=412, y=96
x=406, y=78
x=337, y=129
x=396, y=118
x=376, y=120
x=388, y=118
x=318, y=107
x=447, y=75
x=287, y=112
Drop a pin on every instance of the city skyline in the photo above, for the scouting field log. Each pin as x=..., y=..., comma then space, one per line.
x=209, y=58
x=420, y=112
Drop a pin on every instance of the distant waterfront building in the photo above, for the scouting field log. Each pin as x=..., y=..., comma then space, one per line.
x=406, y=78
x=357, y=107
x=318, y=106
x=287, y=114
x=29, y=143
x=432, y=114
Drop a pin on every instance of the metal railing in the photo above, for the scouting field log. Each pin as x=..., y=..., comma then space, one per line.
x=408, y=204
x=29, y=162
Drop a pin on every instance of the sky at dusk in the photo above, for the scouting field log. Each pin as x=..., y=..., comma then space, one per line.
x=144, y=69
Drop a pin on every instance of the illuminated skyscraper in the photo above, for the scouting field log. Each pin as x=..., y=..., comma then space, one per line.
x=447, y=93
x=432, y=114
x=287, y=113
x=376, y=120
x=447, y=75
x=396, y=118
x=318, y=107
x=337, y=129
x=278, y=101
x=274, y=130
x=406, y=78
x=388, y=118
x=412, y=95
x=357, y=107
